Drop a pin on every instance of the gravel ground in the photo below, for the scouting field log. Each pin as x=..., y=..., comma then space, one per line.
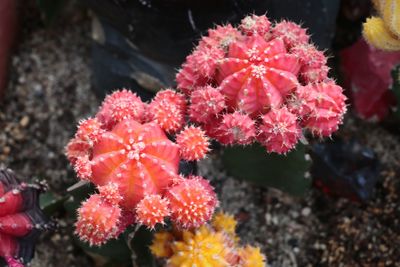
x=50, y=91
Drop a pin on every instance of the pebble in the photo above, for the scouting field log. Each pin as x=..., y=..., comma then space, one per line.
x=306, y=211
x=24, y=121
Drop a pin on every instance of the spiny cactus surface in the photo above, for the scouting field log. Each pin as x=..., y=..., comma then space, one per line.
x=128, y=153
x=238, y=80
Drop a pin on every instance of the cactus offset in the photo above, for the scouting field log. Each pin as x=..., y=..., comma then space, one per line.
x=120, y=105
x=255, y=25
x=236, y=128
x=265, y=68
x=193, y=143
x=151, y=210
x=98, y=220
x=313, y=61
x=168, y=110
x=192, y=202
x=279, y=131
x=291, y=33
x=206, y=103
x=326, y=104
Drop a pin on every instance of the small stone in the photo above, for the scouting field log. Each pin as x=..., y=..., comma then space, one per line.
x=6, y=150
x=24, y=121
x=55, y=238
x=306, y=211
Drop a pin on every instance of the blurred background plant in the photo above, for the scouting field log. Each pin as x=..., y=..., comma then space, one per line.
x=383, y=31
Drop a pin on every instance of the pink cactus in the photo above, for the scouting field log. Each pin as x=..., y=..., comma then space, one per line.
x=221, y=37
x=279, y=131
x=168, y=110
x=126, y=153
x=193, y=143
x=313, y=63
x=265, y=70
x=110, y=193
x=89, y=130
x=236, y=128
x=326, y=103
x=291, y=33
x=256, y=25
x=119, y=106
x=151, y=210
x=98, y=220
x=201, y=65
x=206, y=103
x=192, y=201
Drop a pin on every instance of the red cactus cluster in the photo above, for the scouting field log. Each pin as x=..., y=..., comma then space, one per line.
x=260, y=82
x=125, y=151
x=21, y=219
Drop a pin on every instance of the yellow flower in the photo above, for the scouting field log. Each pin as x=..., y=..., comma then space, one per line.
x=251, y=257
x=161, y=247
x=224, y=222
x=203, y=248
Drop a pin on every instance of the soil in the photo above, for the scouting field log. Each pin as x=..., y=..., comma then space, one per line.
x=50, y=92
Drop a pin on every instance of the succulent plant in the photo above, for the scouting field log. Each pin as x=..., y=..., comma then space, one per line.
x=126, y=153
x=239, y=81
x=21, y=219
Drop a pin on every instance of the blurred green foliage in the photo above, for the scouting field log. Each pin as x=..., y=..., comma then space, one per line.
x=284, y=172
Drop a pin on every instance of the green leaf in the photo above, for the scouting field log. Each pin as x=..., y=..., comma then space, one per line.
x=50, y=204
x=284, y=172
x=396, y=88
x=140, y=244
x=114, y=251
